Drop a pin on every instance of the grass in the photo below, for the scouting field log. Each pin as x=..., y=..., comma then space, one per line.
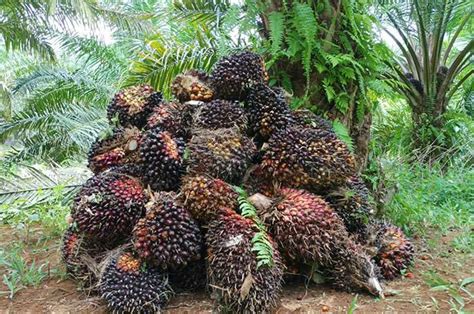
x=20, y=273
x=431, y=198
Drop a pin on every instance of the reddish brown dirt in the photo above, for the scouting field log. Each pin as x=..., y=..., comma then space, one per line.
x=60, y=295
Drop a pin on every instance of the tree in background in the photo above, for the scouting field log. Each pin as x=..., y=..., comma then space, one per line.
x=321, y=52
x=434, y=63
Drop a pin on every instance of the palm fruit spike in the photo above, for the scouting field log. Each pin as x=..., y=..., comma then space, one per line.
x=192, y=85
x=130, y=286
x=168, y=236
x=77, y=254
x=108, y=205
x=220, y=114
x=162, y=155
x=233, y=75
x=309, y=231
x=267, y=111
x=240, y=286
x=307, y=118
x=133, y=105
x=119, y=148
x=204, y=196
x=224, y=154
x=299, y=157
x=192, y=277
x=351, y=202
x=394, y=250
x=256, y=180
x=167, y=117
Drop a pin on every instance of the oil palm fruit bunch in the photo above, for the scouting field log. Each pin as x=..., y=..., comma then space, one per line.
x=241, y=286
x=192, y=85
x=168, y=236
x=133, y=105
x=309, y=231
x=307, y=118
x=302, y=157
x=191, y=277
x=233, y=75
x=224, y=154
x=267, y=111
x=80, y=255
x=219, y=114
x=108, y=205
x=119, y=148
x=395, y=251
x=205, y=196
x=162, y=155
x=168, y=116
x=129, y=285
x=257, y=180
x=352, y=204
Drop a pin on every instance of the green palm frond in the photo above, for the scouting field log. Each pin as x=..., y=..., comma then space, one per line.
x=31, y=186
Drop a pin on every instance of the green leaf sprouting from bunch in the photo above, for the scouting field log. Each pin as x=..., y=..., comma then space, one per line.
x=261, y=244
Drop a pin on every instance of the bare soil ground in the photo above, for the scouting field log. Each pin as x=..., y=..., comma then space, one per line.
x=410, y=294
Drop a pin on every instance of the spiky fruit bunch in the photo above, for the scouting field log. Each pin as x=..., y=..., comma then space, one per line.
x=167, y=117
x=257, y=180
x=204, y=196
x=133, y=105
x=77, y=253
x=130, y=286
x=162, y=155
x=168, y=236
x=224, y=154
x=108, y=205
x=394, y=250
x=119, y=148
x=241, y=286
x=192, y=277
x=233, y=75
x=299, y=157
x=220, y=114
x=309, y=231
x=267, y=110
x=192, y=85
x=351, y=202
x=307, y=118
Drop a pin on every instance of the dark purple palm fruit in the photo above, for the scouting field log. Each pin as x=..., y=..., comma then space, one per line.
x=192, y=85
x=224, y=154
x=220, y=114
x=309, y=158
x=394, y=251
x=352, y=204
x=108, y=205
x=307, y=118
x=267, y=110
x=308, y=231
x=233, y=75
x=133, y=105
x=128, y=285
x=119, y=148
x=167, y=116
x=204, y=196
x=162, y=156
x=168, y=236
x=238, y=284
x=81, y=256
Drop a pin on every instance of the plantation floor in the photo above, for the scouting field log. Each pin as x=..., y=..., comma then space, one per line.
x=434, y=284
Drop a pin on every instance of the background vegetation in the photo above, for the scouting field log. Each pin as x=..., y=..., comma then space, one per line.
x=395, y=76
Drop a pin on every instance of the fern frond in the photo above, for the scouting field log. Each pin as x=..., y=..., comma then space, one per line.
x=260, y=242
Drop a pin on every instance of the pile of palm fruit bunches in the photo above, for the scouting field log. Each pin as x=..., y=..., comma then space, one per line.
x=224, y=189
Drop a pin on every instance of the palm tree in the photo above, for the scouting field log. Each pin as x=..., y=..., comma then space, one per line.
x=434, y=62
